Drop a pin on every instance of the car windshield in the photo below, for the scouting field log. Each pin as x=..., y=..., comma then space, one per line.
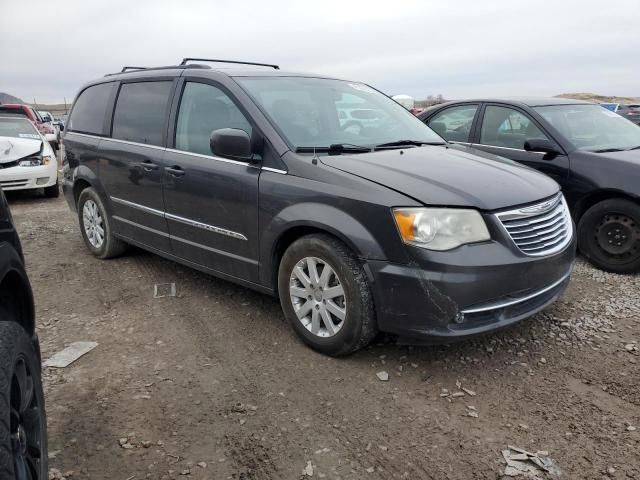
x=18, y=128
x=592, y=127
x=317, y=112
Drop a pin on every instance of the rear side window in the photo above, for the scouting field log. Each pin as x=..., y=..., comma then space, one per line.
x=141, y=111
x=90, y=108
x=454, y=123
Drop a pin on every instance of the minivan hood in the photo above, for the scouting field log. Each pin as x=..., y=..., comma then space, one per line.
x=12, y=149
x=628, y=156
x=449, y=176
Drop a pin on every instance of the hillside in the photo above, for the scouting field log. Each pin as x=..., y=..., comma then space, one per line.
x=6, y=98
x=592, y=97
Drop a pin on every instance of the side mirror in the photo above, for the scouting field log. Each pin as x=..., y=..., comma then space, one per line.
x=61, y=127
x=542, y=145
x=231, y=143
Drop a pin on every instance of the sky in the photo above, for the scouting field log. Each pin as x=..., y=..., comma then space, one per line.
x=457, y=48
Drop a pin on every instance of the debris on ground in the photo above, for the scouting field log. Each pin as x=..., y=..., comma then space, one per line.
x=383, y=376
x=73, y=352
x=308, y=470
x=529, y=465
x=161, y=290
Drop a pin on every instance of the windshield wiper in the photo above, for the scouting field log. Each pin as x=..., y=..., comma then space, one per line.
x=335, y=149
x=634, y=148
x=409, y=143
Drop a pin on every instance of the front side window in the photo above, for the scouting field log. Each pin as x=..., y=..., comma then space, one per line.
x=18, y=128
x=203, y=109
x=507, y=127
x=90, y=108
x=141, y=111
x=592, y=127
x=454, y=123
x=319, y=112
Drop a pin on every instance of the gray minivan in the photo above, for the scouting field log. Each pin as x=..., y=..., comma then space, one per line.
x=249, y=174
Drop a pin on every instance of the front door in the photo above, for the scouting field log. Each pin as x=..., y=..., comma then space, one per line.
x=504, y=130
x=132, y=163
x=211, y=203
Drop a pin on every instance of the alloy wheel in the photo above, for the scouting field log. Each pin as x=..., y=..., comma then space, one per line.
x=318, y=297
x=25, y=423
x=93, y=223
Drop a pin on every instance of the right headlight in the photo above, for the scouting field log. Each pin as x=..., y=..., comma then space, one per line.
x=440, y=228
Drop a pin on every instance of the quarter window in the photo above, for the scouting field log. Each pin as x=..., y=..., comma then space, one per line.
x=90, y=108
x=454, y=123
x=203, y=109
x=141, y=112
x=507, y=127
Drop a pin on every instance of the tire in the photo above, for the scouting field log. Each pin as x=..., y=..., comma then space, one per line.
x=18, y=354
x=53, y=191
x=358, y=326
x=109, y=246
x=609, y=235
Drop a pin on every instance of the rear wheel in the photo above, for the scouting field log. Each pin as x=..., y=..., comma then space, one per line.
x=325, y=295
x=609, y=235
x=95, y=226
x=23, y=426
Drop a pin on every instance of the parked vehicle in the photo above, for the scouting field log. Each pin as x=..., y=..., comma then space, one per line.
x=592, y=152
x=27, y=160
x=249, y=176
x=630, y=112
x=48, y=119
x=47, y=131
x=23, y=425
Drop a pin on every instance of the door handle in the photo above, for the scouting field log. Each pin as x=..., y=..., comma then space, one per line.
x=175, y=171
x=148, y=166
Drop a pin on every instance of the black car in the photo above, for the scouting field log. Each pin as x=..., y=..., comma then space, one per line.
x=250, y=175
x=23, y=426
x=593, y=154
x=630, y=112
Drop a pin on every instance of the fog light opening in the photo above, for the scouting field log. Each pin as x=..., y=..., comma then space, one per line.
x=42, y=180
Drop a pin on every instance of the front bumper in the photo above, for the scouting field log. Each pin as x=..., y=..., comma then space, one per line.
x=25, y=178
x=445, y=296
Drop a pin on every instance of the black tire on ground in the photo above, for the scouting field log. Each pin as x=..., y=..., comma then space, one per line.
x=609, y=235
x=359, y=325
x=111, y=246
x=16, y=352
x=53, y=191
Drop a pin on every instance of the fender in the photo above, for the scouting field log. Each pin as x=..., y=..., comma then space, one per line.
x=315, y=216
x=83, y=173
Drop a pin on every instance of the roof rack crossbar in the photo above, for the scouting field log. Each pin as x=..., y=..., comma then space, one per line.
x=185, y=60
x=124, y=69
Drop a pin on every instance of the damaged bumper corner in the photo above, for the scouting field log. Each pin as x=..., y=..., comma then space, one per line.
x=448, y=296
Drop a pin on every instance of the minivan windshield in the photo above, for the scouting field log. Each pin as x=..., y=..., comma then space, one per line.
x=592, y=127
x=320, y=113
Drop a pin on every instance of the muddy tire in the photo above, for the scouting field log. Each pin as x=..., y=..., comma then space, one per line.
x=609, y=235
x=325, y=295
x=95, y=226
x=23, y=425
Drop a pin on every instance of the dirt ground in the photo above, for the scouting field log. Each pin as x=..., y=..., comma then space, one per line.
x=212, y=383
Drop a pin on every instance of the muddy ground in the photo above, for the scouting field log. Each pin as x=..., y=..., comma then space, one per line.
x=212, y=383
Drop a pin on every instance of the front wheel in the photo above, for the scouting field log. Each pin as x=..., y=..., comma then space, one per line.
x=325, y=295
x=609, y=235
x=23, y=425
x=53, y=191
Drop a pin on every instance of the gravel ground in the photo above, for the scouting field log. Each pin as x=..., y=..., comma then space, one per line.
x=212, y=383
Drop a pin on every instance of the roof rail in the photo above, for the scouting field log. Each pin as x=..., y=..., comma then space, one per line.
x=167, y=67
x=124, y=69
x=185, y=60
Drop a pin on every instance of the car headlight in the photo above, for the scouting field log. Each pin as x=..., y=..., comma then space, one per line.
x=440, y=228
x=35, y=161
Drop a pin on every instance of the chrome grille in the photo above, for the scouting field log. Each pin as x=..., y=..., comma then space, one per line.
x=541, y=229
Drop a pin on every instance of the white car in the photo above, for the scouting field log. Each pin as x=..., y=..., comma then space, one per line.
x=27, y=161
